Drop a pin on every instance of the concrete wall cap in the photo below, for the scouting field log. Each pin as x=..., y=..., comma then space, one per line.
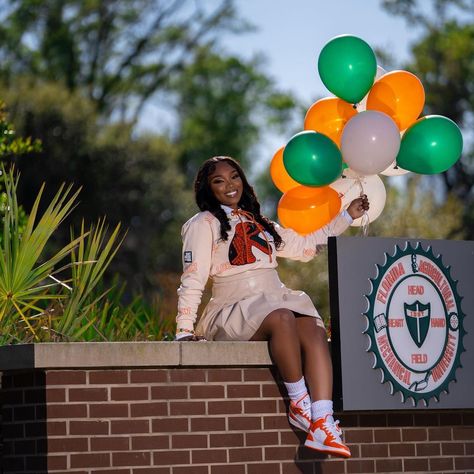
x=76, y=355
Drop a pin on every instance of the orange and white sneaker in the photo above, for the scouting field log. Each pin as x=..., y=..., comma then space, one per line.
x=299, y=413
x=325, y=436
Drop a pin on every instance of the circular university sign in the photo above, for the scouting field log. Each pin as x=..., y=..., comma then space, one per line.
x=415, y=323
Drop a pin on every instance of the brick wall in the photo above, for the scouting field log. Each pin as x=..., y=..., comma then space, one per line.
x=209, y=420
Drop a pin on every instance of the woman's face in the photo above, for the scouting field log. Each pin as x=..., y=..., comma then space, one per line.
x=226, y=184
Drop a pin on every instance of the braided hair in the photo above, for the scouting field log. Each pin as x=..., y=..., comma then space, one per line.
x=206, y=200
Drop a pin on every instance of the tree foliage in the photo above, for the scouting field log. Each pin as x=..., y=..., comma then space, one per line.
x=224, y=102
x=120, y=52
x=443, y=58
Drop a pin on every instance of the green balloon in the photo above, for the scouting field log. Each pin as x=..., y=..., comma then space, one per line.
x=312, y=159
x=347, y=66
x=431, y=145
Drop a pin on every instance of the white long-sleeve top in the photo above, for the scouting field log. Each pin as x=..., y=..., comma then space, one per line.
x=206, y=255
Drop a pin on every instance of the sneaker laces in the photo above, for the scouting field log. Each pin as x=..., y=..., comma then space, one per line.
x=332, y=428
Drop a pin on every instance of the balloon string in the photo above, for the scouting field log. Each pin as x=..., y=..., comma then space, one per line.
x=364, y=228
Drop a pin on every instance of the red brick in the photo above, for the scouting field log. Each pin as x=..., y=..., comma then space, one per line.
x=292, y=438
x=206, y=391
x=148, y=409
x=150, y=442
x=276, y=422
x=190, y=470
x=260, y=468
x=271, y=391
x=468, y=418
x=87, y=394
x=67, y=411
x=244, y=423
x=226, y=440
x=55, y=395
x=374, y=450
x=245, y=455
x=106, y=377
x=450, y=419
x=152, y=470
x=110, y=443
x=331, y=466
x=428, y=449
x=186, y=441
x=56, y=428
x=208, y=456
x=361, y=465
x=32, y=396
x=129, y=426
x=426, y=419
x=452, y=449
x=441, y=464
x=464, y=463
x=400, y=419
x=12, y=397
x=129, y=393
x=207, y=424
x=388, y=465
x=170, y=458
x=415, y=464
x=61, y=445
x=264, y=438
x=131, y=459
x=258, y=375
x=439, y=434
x=148, y=376
x=347, y=420
x=402, y=449
x=463, y=433
x=469, y=448
x=56, y=462
x=224, y=375
x=169, y=425
x=110, y=471
x=387, y=435
x=108, y=410
x=243, y=391
x=187, y=375
x=90, y=460
x=227, y=469
x=225, y=407
x=169, y=392
x=304, y=467
x=24, y=413
x=25, y=447
x=414, y=434
x=65, y=377
x=187, y=408
x=89, y=427
x=359, y=436
x=260, y=406
x=372, y=420
x=280, y=453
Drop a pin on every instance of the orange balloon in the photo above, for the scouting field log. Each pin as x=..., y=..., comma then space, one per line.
x=399, y=94
x=280, y=177
x=306, y=209
x=328, y=116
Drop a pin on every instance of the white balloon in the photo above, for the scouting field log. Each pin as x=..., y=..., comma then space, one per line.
x=351, y=188
x=394, y=170
x=363, y=103
x=370, y=142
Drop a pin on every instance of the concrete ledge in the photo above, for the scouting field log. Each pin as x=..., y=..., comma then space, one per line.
x=76, y=355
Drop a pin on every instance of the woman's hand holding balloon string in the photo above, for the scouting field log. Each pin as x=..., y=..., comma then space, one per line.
x=358, y=207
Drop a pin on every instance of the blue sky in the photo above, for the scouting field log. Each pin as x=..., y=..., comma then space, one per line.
x=291, y=33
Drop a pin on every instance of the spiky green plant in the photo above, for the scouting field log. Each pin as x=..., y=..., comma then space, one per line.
x=24, y=271
x=38, y=300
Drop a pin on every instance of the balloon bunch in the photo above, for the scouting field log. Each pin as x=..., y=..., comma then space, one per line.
x=372, y=126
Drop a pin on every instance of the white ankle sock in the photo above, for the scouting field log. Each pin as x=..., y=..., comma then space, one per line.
x=321, y=408
x=296, y=390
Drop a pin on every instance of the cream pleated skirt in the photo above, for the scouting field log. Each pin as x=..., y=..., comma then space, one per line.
x=240, y=303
